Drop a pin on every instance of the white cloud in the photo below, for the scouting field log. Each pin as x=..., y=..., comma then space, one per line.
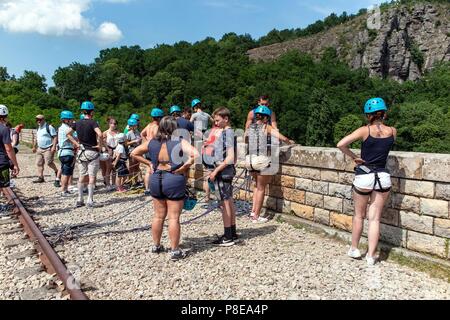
x=55, y=18
x=108, y=33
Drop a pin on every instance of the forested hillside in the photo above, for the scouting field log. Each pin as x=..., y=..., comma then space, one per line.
x=317, y=102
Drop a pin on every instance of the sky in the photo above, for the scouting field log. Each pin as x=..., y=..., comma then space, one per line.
x=42, y=35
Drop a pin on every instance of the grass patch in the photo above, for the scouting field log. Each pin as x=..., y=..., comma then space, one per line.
x=433, y=269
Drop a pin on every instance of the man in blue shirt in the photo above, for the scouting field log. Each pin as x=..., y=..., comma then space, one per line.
x=45, y=147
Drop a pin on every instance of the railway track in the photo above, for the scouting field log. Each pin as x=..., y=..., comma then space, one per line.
x=51, y=261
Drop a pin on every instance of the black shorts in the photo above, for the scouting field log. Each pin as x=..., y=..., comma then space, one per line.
x=4, y=176
x=224, y=189
x=67, y=165
x=168, y=186
x=122, y=169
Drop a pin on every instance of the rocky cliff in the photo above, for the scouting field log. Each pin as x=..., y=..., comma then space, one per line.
x=408, y=41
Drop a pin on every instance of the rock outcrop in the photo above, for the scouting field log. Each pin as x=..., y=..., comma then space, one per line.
x=409, y=41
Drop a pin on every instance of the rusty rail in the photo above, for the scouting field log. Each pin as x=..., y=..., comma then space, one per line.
x=48, y=255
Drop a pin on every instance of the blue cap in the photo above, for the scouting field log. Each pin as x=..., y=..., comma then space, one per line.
x=157, y=113
x=374, y=105
x=66, y=115
x=195, y=102
x=175, y=109
x=263, y=110
x=135, y=116
x=132, y=122
x=87, y=105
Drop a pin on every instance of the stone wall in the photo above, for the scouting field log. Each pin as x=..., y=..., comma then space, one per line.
x=315, y=184
x=27, y=135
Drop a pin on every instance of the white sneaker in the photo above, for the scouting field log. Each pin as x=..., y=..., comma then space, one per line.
x=354, y=253
x=259, y=220
x=370, y=261
x=72, y=189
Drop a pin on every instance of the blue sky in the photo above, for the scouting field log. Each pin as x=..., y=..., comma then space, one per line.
x=41, y=35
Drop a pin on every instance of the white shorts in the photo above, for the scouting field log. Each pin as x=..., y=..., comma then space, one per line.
x=367, y=181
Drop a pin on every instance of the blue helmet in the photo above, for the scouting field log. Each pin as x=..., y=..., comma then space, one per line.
x=174, y=109
x=87, y=105
x=66, y=115
x=263, y=110
x=195, y=102
x=132, y=122
x=374, y=105
x=135, y=116
x=157, y=113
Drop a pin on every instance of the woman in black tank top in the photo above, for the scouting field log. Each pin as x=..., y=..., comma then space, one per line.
x=167, y=181
x=372, y=179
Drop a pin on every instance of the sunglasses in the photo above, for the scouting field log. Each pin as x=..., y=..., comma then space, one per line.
x=39, y=120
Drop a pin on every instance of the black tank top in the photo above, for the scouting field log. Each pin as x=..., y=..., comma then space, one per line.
x=375, y=151
x=173, y=149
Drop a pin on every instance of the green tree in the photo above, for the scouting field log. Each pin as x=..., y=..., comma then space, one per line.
x=33, y=81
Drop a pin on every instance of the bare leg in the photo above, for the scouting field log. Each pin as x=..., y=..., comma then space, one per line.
x=358, y=219
x=54, y=168
x=378, y=200
x=160, y=213
x=259, y=193
x=173, y=211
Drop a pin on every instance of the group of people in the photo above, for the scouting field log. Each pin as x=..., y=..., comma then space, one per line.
x=166, y=150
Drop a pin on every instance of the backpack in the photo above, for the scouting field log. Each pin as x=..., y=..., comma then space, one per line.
x=256, y=159
x=47, y=128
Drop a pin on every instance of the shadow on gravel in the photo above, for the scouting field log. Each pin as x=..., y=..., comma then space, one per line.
x=198, y=245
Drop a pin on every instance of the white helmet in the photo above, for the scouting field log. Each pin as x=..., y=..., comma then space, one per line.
x=3, y=110
x=121, y=138
x=104, y=156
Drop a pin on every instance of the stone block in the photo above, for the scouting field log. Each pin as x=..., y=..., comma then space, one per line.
x=270, y=203
x=417, y=188
x=284, y=206
x=442, y=228
x=284, y=181
x=435, y=208
x=333, y=204
x=288, y=182
x=443, y=191
x=293, y=195
x=436, y=167
x=303, y=211
x=326, y=158
x=314, y=200
x=348, y=207
x=340, y=190
x=406, y=165
x=320, y=187
x=395, y=184
x=322, y=216
x=413, y=221
x=309, y=173
x=393, y=235
x=304, y=184
x=426, y=243
x=390, y=216
x=404, y=202
x=329, y=175
x=341, y=221
x=346, y=178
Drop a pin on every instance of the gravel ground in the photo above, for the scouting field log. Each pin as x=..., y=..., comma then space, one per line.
x=272, y=261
